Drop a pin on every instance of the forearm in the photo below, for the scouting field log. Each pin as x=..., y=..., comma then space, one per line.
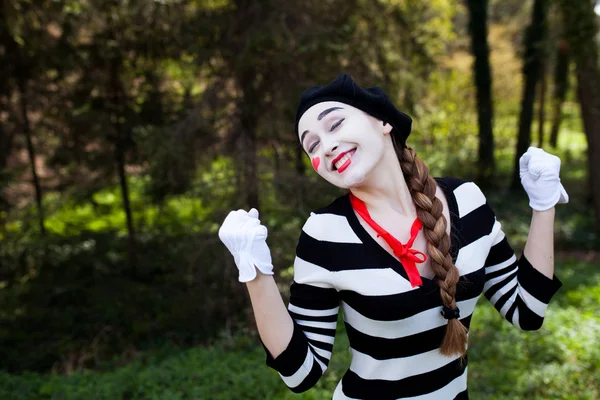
x=539, y=249
x=275, y=326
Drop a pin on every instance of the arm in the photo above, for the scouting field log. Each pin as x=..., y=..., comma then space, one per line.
x=539, y=173
x=313, y=308
x=539, y=248
x=521, y=289
x=298, y=341
x=275, y=326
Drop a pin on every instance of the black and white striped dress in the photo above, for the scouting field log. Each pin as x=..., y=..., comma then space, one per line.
x=394, y=329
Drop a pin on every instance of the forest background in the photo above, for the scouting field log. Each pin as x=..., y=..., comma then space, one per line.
x=129, y=129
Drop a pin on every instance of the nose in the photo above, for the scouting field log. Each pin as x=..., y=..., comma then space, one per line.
x=331, y=151
x=330, y=147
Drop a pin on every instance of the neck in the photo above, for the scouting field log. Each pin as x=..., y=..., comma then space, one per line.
x=386, y=188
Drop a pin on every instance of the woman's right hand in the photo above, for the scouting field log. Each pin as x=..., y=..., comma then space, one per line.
x=245, y=238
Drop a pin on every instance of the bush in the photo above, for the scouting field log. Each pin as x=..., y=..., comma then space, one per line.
x=560, y=361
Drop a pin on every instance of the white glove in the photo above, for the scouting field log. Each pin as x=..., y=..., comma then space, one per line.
x=539, y=173
x=245, y=238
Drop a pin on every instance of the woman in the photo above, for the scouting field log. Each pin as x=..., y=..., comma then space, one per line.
x=405, y=256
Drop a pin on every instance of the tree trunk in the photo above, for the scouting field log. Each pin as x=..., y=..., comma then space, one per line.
x=22, y=82
x=542, y=105
x=483, y=83
x=534, y=55
x=121, y=140
x=581, y=30
x=249, y=125
x=561, y=86
x=6, y=140
x=300, y=173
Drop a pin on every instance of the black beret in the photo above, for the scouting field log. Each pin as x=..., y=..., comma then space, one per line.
x=372, y=100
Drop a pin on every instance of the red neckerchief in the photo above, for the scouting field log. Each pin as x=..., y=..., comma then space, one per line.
x=408, y=257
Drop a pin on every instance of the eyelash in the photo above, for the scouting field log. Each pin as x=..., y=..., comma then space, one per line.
x=335, y=125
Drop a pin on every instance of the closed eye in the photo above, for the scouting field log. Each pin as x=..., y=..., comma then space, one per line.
x=312, y=147
x=336, y=124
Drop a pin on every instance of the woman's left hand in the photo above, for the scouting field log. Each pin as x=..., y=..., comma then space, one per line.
x=539, y=173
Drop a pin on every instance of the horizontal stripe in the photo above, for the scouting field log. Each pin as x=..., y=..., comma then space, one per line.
x=326, y=318
x=404, y=305
x=472, y=257
x=317, y=324
x=355, y=386
x=372, y=282
x=499, y=282
x=339, y=256
x=477, y=223
x=533, y=304
x=396, y=369
x=506, y=263
x=319, y=338
x=311, y=274
x=423, y=321
x=313, y=376
x=469, y=197
x=302, y=372
x=322, y=345
x=308, y=312
x=450, y=391
x=500, y=252
x=323, y=353
x=313, y=297
x=330, y=228
x=407, y=346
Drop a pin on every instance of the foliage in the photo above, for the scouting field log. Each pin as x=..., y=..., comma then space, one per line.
x=193, y=102
x=559, y=361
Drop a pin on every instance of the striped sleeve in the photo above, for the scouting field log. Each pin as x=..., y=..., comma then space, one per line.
x=313, y=306
x=514, y=287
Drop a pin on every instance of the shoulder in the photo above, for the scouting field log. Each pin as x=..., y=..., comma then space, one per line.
x=453, y=183
x=331, y=223
x=466, y=194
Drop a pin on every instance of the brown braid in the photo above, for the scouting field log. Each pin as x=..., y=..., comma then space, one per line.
x=429, y=211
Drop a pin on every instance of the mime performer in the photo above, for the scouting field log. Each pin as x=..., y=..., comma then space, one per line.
x=403, y=255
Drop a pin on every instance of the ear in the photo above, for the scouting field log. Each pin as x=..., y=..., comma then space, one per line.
x=387, y=128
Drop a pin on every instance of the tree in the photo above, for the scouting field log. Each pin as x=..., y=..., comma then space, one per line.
x=483, y=83
x=581, y=30
x=25, y=43
x=541, y=105
x=561, y=87
x=532, y=62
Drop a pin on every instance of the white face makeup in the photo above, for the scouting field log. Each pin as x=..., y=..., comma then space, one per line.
x=344, y=143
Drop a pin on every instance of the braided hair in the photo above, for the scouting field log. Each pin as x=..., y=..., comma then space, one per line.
x=429, y=211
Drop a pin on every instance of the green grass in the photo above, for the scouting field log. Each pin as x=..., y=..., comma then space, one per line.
x=560, y=361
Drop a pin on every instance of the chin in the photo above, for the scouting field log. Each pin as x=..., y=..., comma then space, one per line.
x=354, y=181
x=349, y=181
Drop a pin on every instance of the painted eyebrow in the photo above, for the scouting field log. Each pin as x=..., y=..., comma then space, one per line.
x=324, y=113
x=320, y=117
x=302, y=137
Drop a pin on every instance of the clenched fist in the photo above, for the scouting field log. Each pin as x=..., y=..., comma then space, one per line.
x=245, y=238
x=539, y=172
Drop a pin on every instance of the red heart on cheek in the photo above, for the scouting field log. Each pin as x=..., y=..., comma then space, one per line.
x=315, y=162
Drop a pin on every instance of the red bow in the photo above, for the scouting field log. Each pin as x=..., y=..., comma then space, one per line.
x=407, y=256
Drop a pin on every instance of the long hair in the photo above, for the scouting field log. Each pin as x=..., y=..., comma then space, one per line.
x=429, y=211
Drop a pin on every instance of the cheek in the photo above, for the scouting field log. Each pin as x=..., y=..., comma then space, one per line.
x=316, y=162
